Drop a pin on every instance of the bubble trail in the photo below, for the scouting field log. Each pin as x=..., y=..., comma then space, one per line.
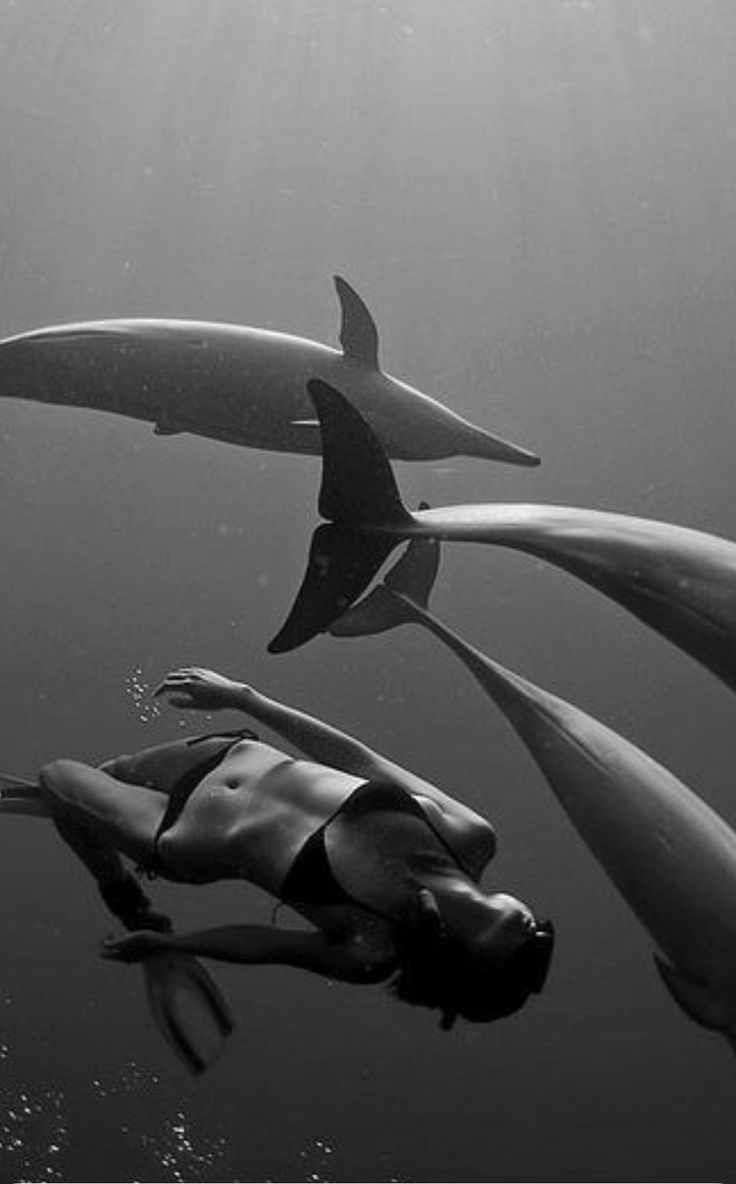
x=139, y=689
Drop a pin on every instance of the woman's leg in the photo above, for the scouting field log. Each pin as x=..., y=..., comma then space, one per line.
x=102, y=819
x=157, y=768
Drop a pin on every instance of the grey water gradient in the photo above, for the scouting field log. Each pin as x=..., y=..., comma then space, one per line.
x=535, y=199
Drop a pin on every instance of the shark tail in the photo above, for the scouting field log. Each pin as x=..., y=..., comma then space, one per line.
x=365, y=516
x=408, y=583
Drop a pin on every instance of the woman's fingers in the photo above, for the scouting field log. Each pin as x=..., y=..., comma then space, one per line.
x=131, y=948
x=194, y=675
x=115, y=951
x=172, y=682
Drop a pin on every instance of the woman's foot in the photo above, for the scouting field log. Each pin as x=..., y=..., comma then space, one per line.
x=128, y=902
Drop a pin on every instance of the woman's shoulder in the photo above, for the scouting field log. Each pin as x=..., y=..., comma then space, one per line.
x=468, y=835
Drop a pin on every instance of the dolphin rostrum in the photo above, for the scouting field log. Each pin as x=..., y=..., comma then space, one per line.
x=681, y=582
x=669, y=854
x=236, y=383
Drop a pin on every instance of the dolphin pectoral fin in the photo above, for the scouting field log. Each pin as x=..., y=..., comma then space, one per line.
x=341, y=564
x=412, y=577
x=358, y=485
x=188, y=1008
x=358, y=332
x=694, y=998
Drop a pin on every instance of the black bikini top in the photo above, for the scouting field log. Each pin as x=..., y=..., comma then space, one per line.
x=311, y=880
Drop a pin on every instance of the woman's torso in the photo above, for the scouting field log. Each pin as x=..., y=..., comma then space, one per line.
x=255, y=812
x=250, y=815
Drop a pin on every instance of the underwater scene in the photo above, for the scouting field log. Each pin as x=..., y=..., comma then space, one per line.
x=452, y=285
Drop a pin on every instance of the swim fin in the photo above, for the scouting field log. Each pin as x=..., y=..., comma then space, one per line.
x=188, y=1008
x=14, y=786
x=19, y=795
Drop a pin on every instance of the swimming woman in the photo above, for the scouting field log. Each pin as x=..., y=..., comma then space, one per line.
x=384, y=865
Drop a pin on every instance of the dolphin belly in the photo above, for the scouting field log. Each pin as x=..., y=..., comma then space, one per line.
x=238, y=384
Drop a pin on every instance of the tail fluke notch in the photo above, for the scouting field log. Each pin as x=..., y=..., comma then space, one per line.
x=412, y=577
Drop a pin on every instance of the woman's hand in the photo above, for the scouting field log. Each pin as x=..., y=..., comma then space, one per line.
x=197, y=689
x=136, y=947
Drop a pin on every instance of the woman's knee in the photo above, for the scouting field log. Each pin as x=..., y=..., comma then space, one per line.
x=59, y=777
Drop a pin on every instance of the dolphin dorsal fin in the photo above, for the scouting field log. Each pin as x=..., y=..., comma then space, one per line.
x=695, y=998
x=358, y=332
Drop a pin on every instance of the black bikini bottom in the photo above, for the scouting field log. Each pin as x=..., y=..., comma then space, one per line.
x=183, y=789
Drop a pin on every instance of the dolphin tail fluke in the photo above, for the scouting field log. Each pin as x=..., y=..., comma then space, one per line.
x=358, y=485
x=408, y=583
x=359, y=497
x=342, y=562
x=188, y=1008
x=414, y=574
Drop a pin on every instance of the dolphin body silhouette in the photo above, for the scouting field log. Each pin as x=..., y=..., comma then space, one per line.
x=681, y=582
x=669, y=854
x=239, y=384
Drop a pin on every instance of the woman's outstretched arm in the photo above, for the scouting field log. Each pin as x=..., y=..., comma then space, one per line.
x=347, y=959
x=467, y=832
x=198, y=689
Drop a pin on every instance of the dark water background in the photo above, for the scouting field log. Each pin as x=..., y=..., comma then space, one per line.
x=537, y=200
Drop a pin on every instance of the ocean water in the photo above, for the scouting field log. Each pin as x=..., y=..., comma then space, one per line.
x=536, y=199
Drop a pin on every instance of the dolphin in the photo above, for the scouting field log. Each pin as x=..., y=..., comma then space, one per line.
x=239, y=384
x=669, y=854
x=679, y=581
